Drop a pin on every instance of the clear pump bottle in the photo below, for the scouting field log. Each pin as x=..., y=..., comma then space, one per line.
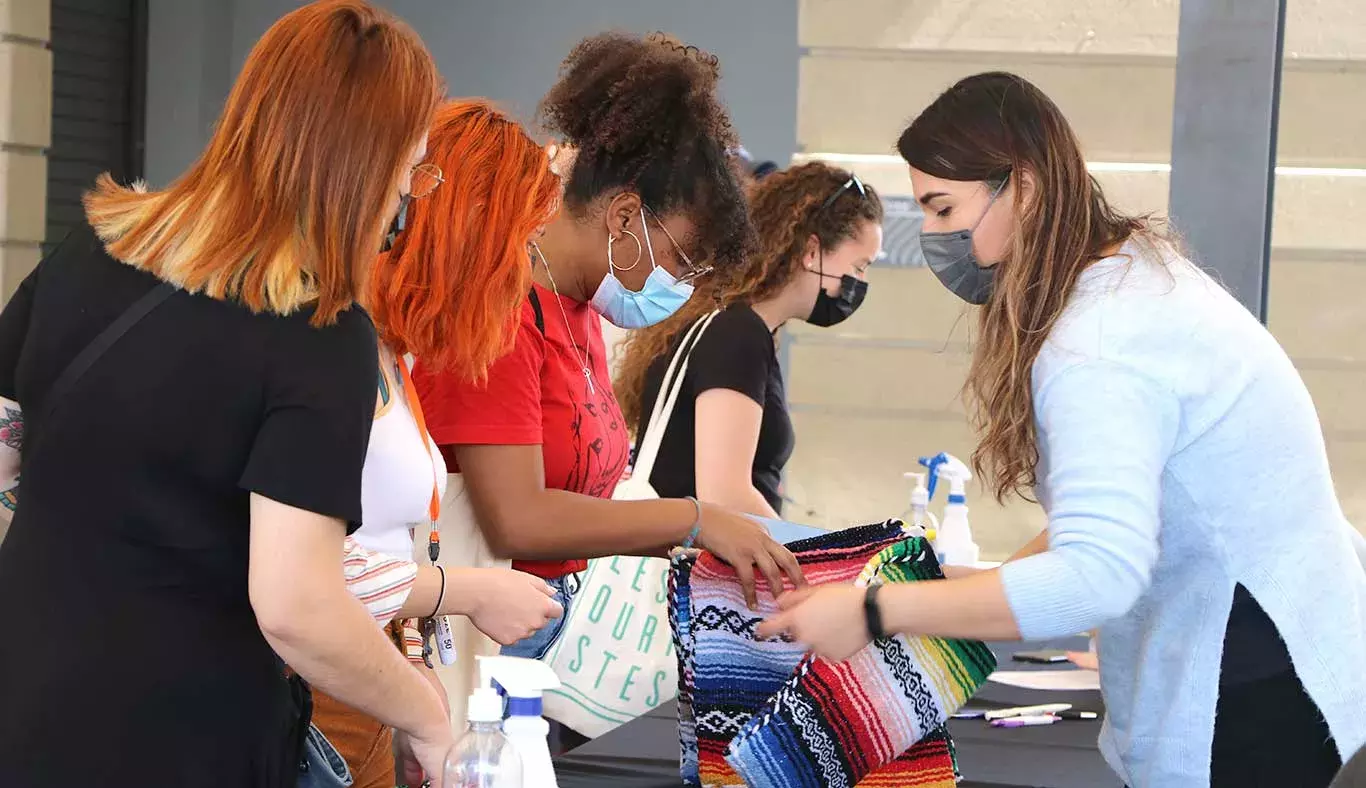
x=484, y=757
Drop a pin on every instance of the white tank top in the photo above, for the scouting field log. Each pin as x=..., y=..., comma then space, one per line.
x=396, y=483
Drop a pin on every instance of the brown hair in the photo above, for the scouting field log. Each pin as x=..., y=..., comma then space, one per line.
x=449, y=289
x=643, y=115
x=286, y=206
x=787, y=209
x=994, y=127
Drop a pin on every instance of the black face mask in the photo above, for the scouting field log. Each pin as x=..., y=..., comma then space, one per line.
x=397, y=226
x=832, y=310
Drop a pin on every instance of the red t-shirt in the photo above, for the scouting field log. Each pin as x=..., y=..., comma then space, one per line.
x=537, y=394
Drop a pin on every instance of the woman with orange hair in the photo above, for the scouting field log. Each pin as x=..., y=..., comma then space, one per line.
x=198, y=388
x=447, y=290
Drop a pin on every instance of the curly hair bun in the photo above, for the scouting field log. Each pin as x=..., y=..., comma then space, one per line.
x=643, y=114
x=636, y=95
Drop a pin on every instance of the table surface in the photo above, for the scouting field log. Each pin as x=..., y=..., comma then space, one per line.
x=644, y=752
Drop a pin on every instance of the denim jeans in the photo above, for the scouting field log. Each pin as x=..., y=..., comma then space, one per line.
x=536, y=646
x=322, y=766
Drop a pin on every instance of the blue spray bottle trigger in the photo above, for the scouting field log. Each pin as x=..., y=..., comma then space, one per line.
x=933, y=464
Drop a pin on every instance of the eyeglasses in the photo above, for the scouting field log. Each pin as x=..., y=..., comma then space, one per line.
x=852, y=183
x=426, y=177
x=694, y=271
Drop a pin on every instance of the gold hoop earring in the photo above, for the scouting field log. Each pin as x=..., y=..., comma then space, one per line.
x=640, y=251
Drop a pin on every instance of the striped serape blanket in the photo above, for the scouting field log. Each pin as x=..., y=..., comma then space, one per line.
x=726, y=676
x=878, y=718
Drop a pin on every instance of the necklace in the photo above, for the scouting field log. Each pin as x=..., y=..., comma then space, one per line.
x=580, y=355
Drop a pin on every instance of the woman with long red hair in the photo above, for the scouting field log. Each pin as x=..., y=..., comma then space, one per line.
x=198, y=388
x=446, y=290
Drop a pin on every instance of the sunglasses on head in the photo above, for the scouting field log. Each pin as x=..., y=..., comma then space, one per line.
x=853, y=183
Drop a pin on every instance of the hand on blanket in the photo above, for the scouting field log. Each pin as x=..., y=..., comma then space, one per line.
x=827, y=619
x=744, y=544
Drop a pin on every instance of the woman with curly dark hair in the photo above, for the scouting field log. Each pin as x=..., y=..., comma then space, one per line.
x=540, y=441
x=730, y=434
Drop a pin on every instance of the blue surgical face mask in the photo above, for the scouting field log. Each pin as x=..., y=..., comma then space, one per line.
x=661, y=296
x=950, y=257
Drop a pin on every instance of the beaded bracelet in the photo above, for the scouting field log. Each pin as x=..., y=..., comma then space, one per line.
x=696, y=526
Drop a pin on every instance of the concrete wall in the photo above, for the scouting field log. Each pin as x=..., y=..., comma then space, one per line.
x=25, y=134
x=508, y=50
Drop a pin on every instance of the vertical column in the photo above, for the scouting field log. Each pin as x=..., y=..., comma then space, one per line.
x=1228, y=84
x=25, y=134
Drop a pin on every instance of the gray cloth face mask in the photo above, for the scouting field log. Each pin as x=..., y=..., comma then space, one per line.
x=950, y=256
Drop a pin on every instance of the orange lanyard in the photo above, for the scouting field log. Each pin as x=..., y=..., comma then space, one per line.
x=434, y=505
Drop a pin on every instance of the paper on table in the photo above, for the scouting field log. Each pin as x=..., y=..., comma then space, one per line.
x=1064, y=680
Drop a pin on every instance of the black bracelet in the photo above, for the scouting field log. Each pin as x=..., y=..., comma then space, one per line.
x=441, y=597
x=871, y=614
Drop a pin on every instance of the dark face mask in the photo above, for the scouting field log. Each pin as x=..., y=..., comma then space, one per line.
x=950, y=256
x=832, y=310
x=398, y=225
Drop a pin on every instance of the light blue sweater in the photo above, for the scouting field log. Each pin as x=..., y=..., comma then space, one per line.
x=1181, y=455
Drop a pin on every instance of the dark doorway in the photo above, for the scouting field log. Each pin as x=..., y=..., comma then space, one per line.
x=99, y=57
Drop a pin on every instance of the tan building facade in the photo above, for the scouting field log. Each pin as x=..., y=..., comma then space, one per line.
x=872, y=395
x=25, y=135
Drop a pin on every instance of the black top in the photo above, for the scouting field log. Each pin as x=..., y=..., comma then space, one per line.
x=736, y=352
x=133, y=657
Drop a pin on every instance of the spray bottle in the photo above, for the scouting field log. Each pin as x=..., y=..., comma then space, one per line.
x=919, y=516
x=953, y=544
x=524, y=681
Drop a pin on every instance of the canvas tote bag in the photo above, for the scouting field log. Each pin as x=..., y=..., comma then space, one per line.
x=615, y=656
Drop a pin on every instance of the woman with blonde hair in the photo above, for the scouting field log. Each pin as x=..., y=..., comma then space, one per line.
x=193, y=365
x=1175, y=450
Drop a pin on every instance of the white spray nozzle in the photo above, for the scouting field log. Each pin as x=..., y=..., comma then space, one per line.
x=518, y=677
x=958, y=474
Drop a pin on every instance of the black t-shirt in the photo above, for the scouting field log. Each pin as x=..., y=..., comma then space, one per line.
x=736, y=352
x=128, y=553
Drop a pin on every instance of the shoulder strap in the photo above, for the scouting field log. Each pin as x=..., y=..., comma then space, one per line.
x=536, y=307
x=669, y=387
x=102, y=342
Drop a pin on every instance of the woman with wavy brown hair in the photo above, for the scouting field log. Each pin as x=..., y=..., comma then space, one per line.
x=819, y=228
x=1175, y=450
x=198, y=386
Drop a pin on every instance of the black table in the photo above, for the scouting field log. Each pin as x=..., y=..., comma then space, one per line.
x=644, y=752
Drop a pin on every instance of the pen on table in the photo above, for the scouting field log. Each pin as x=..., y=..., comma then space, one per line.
x=1025, y=711
x=1026, y=721
x=1076, y=715
x=1030, y=720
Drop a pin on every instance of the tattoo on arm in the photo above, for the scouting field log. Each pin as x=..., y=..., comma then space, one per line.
x=12, y=428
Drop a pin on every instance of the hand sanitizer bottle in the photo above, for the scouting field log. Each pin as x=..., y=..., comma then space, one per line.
x=919, y=516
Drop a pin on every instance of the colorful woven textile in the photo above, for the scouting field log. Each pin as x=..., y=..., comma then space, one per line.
x=833, y=724
x=726, y=676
